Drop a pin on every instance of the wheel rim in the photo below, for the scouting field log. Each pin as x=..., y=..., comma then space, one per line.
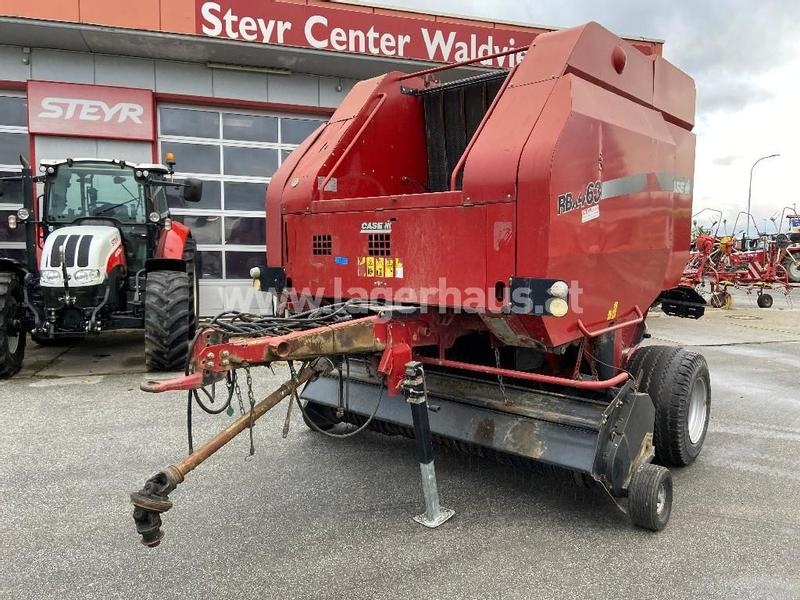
x=12, y=339
x=661, y=501
x=698, y=410
x=794, y=270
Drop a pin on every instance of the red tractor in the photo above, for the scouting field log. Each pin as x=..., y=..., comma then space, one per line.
x=102, y=253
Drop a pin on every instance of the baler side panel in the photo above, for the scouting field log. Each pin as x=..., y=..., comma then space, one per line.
x=431, y=252
x=614, y=248
x=682, y=222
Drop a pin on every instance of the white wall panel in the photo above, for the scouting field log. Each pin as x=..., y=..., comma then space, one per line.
x=11, y=66
x=58, y=65
x=125, y=150
x=293, y=89
x=64, y=147
x=238, y=85
x=125, y=72
x=183, y=78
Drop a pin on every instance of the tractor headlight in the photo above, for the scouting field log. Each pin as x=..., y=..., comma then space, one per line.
x=154, y=217
x=50, y=276
x=23, y=214
x=85, y=276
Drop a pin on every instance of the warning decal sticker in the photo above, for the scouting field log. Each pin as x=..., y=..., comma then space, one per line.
x=380, y=266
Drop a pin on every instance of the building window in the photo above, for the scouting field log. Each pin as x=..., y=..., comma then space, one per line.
x=14, y=141
x=235, y=153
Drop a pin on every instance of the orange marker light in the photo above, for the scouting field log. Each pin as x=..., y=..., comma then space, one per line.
x=170, y=157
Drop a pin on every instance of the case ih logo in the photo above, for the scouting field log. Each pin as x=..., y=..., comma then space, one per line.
x=90, y=111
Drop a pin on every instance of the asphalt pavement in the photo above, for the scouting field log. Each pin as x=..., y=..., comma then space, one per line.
x=311, y=517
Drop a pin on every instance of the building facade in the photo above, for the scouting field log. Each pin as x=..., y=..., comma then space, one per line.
x=230, y=86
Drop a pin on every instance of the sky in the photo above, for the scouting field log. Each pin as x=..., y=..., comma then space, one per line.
x=745, y=59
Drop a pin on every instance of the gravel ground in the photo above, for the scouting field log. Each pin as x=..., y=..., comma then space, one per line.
x=310, y=517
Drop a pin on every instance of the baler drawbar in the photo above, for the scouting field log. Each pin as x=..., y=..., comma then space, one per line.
x=471, y=262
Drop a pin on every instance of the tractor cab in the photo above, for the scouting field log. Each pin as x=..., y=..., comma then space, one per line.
x=132, y=198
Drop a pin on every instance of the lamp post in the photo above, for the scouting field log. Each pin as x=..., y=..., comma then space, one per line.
x=750, y=189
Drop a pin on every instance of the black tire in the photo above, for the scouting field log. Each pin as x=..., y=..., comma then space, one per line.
x=168, y=321
x=764, y=301
x=670, y=375
x=650, y=497
x=792, y=269
x=324, y=417
x=12, y=341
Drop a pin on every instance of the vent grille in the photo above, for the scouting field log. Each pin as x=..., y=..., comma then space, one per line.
x=321, y=245
x=379, y=244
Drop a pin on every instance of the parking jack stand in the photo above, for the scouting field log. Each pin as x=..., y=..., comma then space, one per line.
x=416, y=395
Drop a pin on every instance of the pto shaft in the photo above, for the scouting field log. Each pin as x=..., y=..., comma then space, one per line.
x=153, y=498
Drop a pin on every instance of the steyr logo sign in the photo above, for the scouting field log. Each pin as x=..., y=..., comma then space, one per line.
x=85, y=109
x=90, y=111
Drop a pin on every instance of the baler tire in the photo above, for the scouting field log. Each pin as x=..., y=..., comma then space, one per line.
x=670, y=375
x=12, y=348
x=764, y=301
x=324, y=417
x=168, y=323
x=682, y=376
x=650, y=497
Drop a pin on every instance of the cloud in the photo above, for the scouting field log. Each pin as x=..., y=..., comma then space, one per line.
x=727, y=161
x=729, y=95
x=723, y=44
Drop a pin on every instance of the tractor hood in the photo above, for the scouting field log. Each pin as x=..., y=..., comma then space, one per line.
x=88, y=252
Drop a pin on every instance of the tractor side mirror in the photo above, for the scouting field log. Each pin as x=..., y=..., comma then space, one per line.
x=192, y=190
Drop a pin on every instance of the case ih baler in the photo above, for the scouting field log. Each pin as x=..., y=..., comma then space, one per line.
x=483, y=253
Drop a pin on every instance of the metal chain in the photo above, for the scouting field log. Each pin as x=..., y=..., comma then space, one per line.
x=287, y=421
x=252, y=399
x=506, y=401
x=239, y=395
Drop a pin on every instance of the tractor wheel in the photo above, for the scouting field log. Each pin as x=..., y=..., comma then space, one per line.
x=168, y=321
x=12, y=338
x=650, y=497
x=792, y=269
x=764, y=301
x=319, y=415
x=679, y=385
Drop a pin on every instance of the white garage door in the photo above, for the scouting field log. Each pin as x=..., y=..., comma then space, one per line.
x=235, y=153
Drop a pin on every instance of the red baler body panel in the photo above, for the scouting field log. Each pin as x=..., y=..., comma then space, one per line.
x=582, y=172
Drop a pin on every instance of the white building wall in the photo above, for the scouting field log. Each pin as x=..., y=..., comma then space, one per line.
x=171, y=77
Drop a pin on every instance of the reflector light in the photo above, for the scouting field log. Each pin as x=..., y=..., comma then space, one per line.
x=557, y=307
x=559, y=289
